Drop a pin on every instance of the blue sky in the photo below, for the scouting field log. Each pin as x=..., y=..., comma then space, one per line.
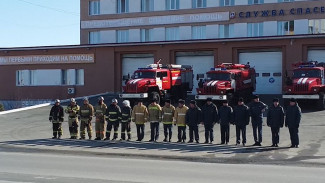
x=25, y=23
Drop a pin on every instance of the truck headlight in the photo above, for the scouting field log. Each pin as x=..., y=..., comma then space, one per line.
x=141, y=95
x=289, y=89
x=221, y=92
x=315, y=89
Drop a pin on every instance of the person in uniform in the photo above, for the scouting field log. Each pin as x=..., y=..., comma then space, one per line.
x=193, y=119
x=57, y=117
x=209, y=118
x=154, y=111
x=241, y=120
x=126, y=120
x=168, y=112
x=113, y=117
x=179, y=120
x=86, y=115
x=226, y=118
x=292, y=121
x=256, y=110
x=140, y=117
x=73, y=111
x=275, y=120
x=100, y=111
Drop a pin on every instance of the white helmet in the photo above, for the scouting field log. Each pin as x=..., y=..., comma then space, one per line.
x=100, y=98
x=57, y=101
x=114, y=100
x=72, y=100
x=86, y=99
x=126, y=103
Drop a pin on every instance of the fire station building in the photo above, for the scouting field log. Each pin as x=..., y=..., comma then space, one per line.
x=118, y=36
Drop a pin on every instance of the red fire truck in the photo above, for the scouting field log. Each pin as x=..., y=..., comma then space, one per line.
x=307, y=83
x=159, y=81
x=227, y=82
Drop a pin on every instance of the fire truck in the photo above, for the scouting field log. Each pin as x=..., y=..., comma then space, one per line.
x=158, y=81
x=227, y=82
x=307, y=83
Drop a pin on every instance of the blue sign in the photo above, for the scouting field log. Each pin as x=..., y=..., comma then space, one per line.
x=271, y=80
x=273, y=13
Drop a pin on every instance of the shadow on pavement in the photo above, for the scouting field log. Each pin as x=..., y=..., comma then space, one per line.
x=143, y=146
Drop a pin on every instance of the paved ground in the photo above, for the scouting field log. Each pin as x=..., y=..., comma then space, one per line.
x=59, y=168
x=30, y=131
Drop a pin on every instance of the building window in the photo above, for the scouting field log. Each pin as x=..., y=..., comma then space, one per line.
x=94, y=7
x=226, y=31
x=94, y=37
x=286, y=28
x=122, y=36
x=316, y=26
x=282, y=1
x=147, y=5
x=199, y=3
x=172, y=33
x=227, y=2
x=254, y=29
x=198, y=32
x=172, y=4
x=122, y=6
x=255, y=1
x=50, y=77
x=146, y=35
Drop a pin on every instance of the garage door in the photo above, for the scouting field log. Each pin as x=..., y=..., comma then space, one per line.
x=316, y=55
x=268, y=66
x=132, y=62
x=200, y=61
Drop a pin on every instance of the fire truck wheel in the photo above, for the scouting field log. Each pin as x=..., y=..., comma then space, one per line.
x=155, y=95
x=321, y=101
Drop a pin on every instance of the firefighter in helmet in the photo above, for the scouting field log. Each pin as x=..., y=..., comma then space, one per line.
x=86, y=114
x=113, y=117
x=100, y=110
x=73, y=111
x=57, y=117
x=126, y=120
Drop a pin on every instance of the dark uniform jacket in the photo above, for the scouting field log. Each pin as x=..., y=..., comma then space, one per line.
x=241, y=115
x=113, y=113
x=256, y=112
x=275, y=117
x=210, y=114
x=225, y=115
x=193, y=116
x=293, y=116
x=126, y=114
x=56, y=113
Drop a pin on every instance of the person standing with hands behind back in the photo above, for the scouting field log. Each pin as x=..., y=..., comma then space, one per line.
x=193, y=119
x=209, y=117
x=226, y=117
x=275, y=120
x=292, y=121
x=241, y=120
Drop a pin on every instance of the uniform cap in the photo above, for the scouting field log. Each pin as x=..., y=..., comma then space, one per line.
x=72, y=100
x=57, y=101
x=293, y=100
x=193, y=102
x=255, y=96
x=181, y=101
x=101, y=98
x=154, y=100
x=86, y=99
x=168, y=101
x=225, y=101
x=240, y=99
x=275, y=100
x=209, y=99
x=114, y=100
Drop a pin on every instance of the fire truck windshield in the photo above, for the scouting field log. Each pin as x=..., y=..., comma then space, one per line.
x=142, y=74
x=219, y=76
x=307, y=73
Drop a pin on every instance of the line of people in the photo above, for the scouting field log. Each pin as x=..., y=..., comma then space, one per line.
x=181, y=116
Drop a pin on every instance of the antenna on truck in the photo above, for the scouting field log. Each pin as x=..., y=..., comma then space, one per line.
x=158, y=62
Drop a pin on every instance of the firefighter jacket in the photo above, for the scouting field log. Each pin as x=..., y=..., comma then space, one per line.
x=180, y=116
x=193, y=116
x=210, y=114
x=126, y=114
x=56, y=114
x=225, y=115
x=100, y=111
x=113, y=113
x=241, y=115
x=86, y=111
x=275, y=117
x=154, y=111
x=140, y=114
x=73, y=111
x=293, y=116
x=256, y=112
x=168, y=115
